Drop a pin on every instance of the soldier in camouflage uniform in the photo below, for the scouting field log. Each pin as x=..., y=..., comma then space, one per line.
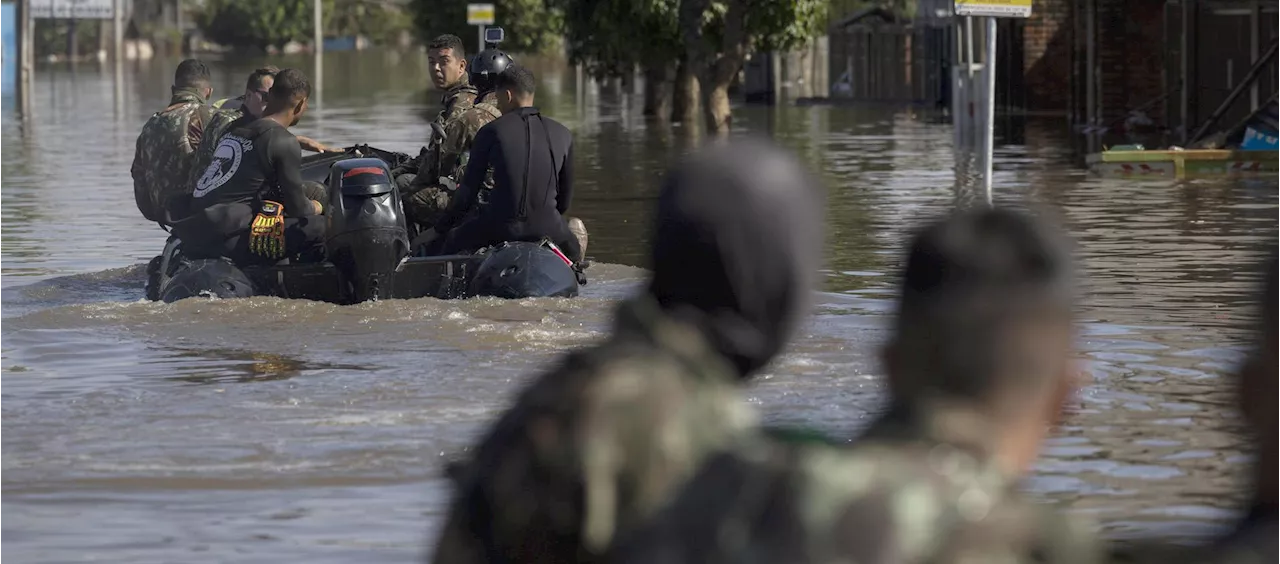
x=425, y=196
x=978, y=371
x=599, y=442
x=166, y=147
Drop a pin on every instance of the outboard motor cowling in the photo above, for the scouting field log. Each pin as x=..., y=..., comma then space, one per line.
x=367, y=234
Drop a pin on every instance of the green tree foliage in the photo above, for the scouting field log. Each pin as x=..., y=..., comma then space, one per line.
x=776, y=25
x=532, y=26
x=379, y=21
x=259, y=23
x=718, y=35
x=611, y=37
x=51, y=36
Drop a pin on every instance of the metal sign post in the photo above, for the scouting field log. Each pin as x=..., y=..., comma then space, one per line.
x=480, y=15
x=974, y=118
x=26, y=54
x=318, y=16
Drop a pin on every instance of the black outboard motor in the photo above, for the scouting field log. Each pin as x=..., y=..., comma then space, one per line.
x=521, y=270
x=367, y=236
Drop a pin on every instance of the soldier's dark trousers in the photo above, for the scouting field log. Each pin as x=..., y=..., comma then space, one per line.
x=202, y=238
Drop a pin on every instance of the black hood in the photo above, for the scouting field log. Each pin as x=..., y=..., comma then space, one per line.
x=737, y=248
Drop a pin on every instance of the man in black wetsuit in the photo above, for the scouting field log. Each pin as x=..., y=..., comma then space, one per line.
x=256, y=169
x=532, y=160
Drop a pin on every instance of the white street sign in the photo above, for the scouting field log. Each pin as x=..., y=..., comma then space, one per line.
x=79, y=9
x=480, y=14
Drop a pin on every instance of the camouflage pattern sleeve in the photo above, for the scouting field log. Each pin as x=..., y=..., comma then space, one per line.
x=591, y=449
x=773, y=502
x=139, y=169
x=459, y=134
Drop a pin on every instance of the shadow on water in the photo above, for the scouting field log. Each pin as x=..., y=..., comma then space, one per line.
x=235, y=366
x=352, y=408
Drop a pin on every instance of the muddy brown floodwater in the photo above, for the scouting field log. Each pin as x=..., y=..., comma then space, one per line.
x=263, y=429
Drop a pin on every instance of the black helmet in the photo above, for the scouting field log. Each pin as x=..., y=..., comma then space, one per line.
x=485, y=68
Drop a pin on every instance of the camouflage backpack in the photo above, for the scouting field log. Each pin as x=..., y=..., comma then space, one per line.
x=164, y=155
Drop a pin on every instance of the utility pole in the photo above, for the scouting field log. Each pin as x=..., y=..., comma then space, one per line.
x=319, y=51
x=117, y=55
x=26, y=58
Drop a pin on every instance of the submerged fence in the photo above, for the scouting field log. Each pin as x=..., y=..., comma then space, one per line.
x=908, y=63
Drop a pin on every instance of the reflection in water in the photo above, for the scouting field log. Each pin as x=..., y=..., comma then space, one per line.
x=234, y=366
x=334, y=447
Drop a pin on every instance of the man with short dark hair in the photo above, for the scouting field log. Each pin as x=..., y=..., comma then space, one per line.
x=239, y=111
x=425, y=196
x=978, y=368
x=253, y=165
x=256, y=88
x=165, y=150
x=532, y=160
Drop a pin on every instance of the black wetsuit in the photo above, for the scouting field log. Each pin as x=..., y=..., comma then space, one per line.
x=256, y=161
x=532, y=160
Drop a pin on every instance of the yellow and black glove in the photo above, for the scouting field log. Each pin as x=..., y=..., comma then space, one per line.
x=266, y=236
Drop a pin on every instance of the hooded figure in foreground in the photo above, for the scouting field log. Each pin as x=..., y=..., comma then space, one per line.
x=596, y=445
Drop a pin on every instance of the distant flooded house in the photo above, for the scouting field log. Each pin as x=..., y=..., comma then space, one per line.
x=1101, y=64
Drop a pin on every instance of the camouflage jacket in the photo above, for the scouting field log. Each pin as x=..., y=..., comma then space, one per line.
x=595, y=445
x=461, y=118
x=918, y=487
x=165, y=151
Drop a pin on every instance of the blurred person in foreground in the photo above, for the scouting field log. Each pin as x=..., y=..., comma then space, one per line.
x=1256, y=539
x=979, y=368
x=595, y=445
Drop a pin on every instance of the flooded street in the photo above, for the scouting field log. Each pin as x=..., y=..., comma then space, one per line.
x=266, y=429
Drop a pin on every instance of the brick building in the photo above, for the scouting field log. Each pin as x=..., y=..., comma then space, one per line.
x=1092, y=61
x=1098, y=60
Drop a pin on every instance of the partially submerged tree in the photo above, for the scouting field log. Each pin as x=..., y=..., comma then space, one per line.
x=612, y=37
x=718, y=35
x=257, y=23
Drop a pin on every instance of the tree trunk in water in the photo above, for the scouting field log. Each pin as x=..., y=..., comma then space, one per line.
x=715, y=65
x=685, y=106
x=72, y=47
x=104, y=32
x=657, y=90
x=716, y=102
